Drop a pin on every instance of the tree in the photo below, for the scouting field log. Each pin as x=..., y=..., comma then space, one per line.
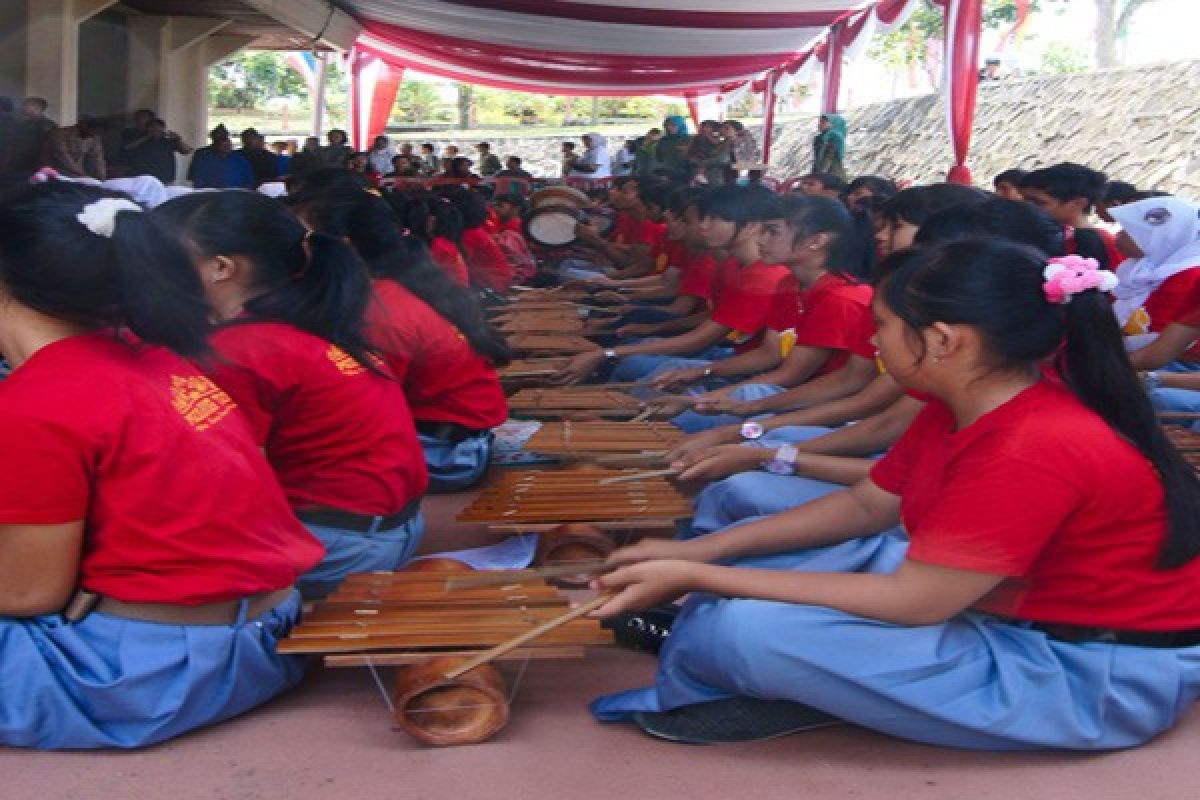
x=1113, y=18
x=418, y=100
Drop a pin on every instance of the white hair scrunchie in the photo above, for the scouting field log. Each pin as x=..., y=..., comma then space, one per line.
x=100, y=217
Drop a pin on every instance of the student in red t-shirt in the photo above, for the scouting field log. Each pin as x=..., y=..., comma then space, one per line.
x=818, y=326
x=293, y=354
x=1069, y=192
x=147, y=554
x=432, y=334
x=1045, y=595
x=487, y=267
x=436, y=222
x=626, y=252
x=745, y=286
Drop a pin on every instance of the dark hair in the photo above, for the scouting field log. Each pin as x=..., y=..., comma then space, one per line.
x=1067, y=181
x=339, y=132
x=996, y=287
x=515, y=159
x=428, y=145
x=828, y=180
x=512, y=199
x=1010, y=176
x=327, y=178
x=657, y=195
x=370, y=224
x=735, y=124
x=879, y=187
x=471, y=205
x=414, y=210
x=996, y=216
x=915, y=205
x=6, y=105
x=741, y=205
x=141, y=277
x=37, y=101
x=808, y=215
x=1146, y=194
x=684, y=197
x=312, y=281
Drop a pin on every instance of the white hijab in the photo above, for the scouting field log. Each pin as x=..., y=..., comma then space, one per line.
x=1167, y=231
x=596, y=154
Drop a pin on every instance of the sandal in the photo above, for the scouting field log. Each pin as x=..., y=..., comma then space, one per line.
x=733, y=719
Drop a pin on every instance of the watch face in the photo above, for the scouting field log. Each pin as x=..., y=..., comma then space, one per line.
x=779, y=468
x=751, y=430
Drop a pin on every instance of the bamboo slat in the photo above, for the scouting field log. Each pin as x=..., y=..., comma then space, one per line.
x=603, y=436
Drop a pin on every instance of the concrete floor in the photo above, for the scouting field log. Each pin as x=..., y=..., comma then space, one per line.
x=331, y=739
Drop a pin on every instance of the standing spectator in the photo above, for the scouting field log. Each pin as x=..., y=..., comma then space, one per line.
x=708, y=156
x=309, y=158
x=646, y=162
x=569, y=157
x=513, y=169
x=153, y=153
x=380, y=155
x=489, y=162
x=218, y=167
x=283, y=156
x=451, y=152
x=76, y=151
x=337, y=152
x=29, y=135
x=429, y=160
x=624, y=160
x=406, y=149
x=135, y=133
x=671, y=150
x=263, y=163
x=403, y=166
x=829, y=146
x=743, y=148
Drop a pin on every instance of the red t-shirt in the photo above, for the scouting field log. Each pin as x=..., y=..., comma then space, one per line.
x=833, y=314
x=179, y=506
x=444, y=379
x=698, y=275
x=447, y=256
x=629, y=230
x=1173, y=301
x=1042, y=491
x=664, y=252
x=338, y=435
x=514, y=224
x=744, y=295
x=486, y=263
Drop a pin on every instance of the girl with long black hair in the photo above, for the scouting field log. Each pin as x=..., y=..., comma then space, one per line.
x=147, y=554
x=293, y=353
x=432, y=334
x=1045, y=595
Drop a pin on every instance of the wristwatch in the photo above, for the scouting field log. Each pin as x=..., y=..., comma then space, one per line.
x=610, y=354
x=752, y=431
x=784, y=462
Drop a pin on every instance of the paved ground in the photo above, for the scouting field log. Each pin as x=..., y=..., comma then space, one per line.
x=331, y=739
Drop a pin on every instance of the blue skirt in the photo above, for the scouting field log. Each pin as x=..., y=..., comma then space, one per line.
x=973, y=682
x=348, y=552
x=454, y=466
x=107, y=681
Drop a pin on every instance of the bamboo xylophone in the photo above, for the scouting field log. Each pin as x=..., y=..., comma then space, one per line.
x=574, y=495
x=417, y=620
x=540, y=323
x=603, y=436
x=1185, y=439
x=523, y=368
x=550, y=343
x=601, y=400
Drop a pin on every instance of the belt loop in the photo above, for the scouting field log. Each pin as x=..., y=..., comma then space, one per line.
x=243, y=605
x=375, y=523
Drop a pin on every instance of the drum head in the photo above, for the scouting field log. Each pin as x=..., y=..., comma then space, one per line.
x=552, y=226
x=559, y=196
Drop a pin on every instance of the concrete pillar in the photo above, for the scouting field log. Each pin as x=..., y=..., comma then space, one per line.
x=52, y=54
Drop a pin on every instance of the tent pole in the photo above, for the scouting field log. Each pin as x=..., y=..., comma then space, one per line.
x=964, y=25
x=768, y=115
x=318, y=102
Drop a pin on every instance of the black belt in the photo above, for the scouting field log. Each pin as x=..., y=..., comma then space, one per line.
x=1078, y=634
x=450, y=431
x=359, y=523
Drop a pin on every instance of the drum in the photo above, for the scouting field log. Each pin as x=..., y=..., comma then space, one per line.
x=559, y=196
x=552, y=226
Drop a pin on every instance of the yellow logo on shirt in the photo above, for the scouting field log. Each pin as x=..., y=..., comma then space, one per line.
x=1137, y=324
x=199, y=401
x=787, y=341
x=345, y=363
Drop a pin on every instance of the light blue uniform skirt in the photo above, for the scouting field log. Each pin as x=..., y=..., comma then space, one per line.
x=348, y=552
x=973, y=682
x=757, y=493
x=691, y=422
x=636, y=368
x=454, y=466
x=107, y=681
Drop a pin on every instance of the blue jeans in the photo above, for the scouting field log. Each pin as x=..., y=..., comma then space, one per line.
x=348, y=552
x=454, y=466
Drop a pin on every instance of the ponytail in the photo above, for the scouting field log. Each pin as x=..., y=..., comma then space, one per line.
x=133, y=275
x=1094, y=364
x=310, y=280
x=370, y=225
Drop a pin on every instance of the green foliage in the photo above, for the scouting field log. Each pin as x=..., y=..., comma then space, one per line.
x=908, y=44
x=249, y=78
x=1060, y=57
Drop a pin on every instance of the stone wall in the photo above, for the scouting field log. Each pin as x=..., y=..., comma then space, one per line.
x=1139, y=125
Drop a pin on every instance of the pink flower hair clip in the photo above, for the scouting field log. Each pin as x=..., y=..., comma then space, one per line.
x=1067, y=276
x=44, y=175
